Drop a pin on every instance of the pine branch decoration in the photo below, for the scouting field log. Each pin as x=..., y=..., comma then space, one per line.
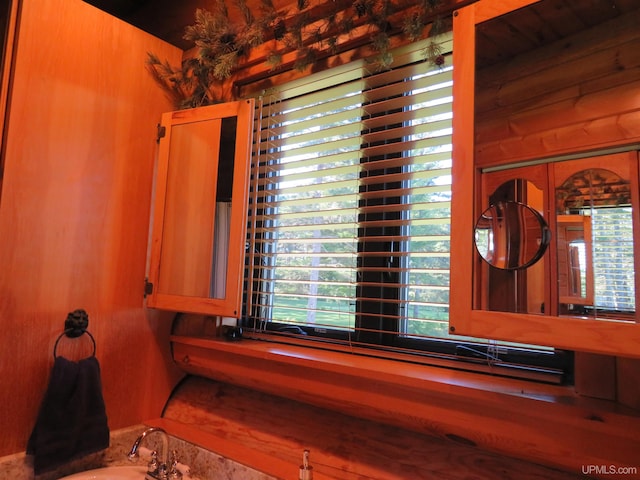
x=221, y=44
x=413, y=26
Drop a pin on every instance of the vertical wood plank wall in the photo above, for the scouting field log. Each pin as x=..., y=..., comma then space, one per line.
x=74, y=212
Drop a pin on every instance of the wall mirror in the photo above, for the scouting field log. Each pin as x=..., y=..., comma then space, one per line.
x=511, y=235
x=535, y=88
x=197, y=252
x=595, y=238
x=198, y=202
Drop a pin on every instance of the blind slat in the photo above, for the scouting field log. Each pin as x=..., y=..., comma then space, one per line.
x=342, y=103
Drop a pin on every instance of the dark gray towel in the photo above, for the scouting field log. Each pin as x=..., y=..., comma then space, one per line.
x=72, y=421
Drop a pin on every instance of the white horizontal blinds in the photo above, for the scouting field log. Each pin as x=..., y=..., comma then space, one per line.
x=405, y=208
x=613, y=266
x=349, y=220
x=307, y=174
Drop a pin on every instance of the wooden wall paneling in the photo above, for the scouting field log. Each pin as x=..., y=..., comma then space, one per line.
x=595, y=375
x=538, y=108
x=628, y=382
x=509, y=83
x=598, y=134
x=580, y=123
x=79, y=151
x=529, y=107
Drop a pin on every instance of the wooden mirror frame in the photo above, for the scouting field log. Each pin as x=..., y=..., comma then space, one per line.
x=580, y=334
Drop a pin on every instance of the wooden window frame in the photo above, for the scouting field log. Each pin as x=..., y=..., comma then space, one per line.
x=378, y=314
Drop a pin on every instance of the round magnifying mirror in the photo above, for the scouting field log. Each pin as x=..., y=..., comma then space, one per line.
x=511, y=235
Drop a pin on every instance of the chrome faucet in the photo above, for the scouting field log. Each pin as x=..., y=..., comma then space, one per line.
x=156, y=470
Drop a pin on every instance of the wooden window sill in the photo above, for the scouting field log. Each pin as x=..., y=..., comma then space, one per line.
x=546, y=424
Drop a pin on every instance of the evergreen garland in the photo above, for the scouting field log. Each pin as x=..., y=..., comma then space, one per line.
x=222, y=44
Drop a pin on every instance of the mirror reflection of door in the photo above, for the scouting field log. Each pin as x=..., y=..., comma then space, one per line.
x=197, y=213
x=519, y=290
x=575, y=259
x=595, y=236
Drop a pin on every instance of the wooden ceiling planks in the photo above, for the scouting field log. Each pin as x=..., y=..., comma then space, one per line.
x=542, y=23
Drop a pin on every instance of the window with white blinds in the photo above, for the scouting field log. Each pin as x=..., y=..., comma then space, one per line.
x=349, y=222
x=613, y=266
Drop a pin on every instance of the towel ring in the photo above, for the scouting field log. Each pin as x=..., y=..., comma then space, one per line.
x=69, y=333
x=75, y=326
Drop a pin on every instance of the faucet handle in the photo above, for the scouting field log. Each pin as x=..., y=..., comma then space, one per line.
x=153, y=464
x=174, y=472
